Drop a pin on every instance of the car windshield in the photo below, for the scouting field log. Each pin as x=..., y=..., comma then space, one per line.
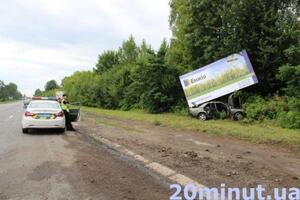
x=46, y=104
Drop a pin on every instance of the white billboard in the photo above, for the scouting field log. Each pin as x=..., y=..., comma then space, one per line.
x=218, y=79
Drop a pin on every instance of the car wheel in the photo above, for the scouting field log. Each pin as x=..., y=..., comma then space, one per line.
x=238, y=116
x=62, y=130
x=202, y=116
x=24, y=130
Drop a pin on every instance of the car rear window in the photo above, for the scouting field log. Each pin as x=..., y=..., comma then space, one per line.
x=39, y=104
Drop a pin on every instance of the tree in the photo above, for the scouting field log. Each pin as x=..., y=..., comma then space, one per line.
x=290, y=75
x=3, y=95
x=207, y=30
x=12, y=91
x=51, y=85
x=106, y=61
x=38, y=92
x=9, y=92
x=154, y=84
x=145, y=53
x=80, y=87
x=162, y=52
x=129, y=51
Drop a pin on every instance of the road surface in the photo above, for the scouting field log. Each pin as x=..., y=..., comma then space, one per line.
x=46, y=165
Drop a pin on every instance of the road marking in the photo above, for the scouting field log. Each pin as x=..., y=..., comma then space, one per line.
x=141, y=159
x=158, y=168
x=10, y=117
x=163, y=170
x=183, y=180
x=200, y=143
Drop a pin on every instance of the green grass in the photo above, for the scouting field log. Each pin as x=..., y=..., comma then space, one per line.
x=115, y=124
x=10, y=101
x=266, y=133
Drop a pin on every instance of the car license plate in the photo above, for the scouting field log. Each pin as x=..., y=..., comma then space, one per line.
x=44, y=116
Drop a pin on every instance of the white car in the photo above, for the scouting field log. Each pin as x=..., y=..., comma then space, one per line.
x=43, y=114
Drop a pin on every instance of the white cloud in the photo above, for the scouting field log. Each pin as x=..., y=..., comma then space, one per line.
x=49, y=39
x=30, y=66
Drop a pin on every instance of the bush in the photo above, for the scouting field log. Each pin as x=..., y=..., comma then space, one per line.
x=289, y=119
x=180, y=108
x=284, y=110
x=80, y=87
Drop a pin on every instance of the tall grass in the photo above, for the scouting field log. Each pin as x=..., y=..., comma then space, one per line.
x=257, y=132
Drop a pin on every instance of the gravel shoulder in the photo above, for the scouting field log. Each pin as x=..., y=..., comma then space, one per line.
x=210, y=160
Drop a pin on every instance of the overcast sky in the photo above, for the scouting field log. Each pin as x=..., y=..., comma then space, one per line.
x=42, y=40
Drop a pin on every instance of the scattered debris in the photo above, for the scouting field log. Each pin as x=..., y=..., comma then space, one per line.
x=277, y=180
x=272, y=156
x=234, y=173
x=92, y=180
x=162, y=150
x=191, y=154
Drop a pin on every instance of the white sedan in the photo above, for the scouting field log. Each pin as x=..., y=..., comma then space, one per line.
x=43, y=114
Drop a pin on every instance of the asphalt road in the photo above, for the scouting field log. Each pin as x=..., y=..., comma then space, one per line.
x=47, y=165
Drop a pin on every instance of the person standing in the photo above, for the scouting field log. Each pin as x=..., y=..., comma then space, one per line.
x=66, y=109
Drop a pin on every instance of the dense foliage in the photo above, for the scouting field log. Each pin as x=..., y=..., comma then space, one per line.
x=207, y=30
x=132, y=77
x=285, y=111
x=136, y=76
x=51, y=85
x=9, y=92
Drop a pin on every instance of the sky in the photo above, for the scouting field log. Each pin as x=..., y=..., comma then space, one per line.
x=41, y=40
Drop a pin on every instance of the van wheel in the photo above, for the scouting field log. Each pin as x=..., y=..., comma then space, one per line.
x=202, y=116
x=24, y=130
x=238, y=116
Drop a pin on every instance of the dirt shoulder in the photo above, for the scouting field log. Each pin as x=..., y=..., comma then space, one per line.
x=211, y=160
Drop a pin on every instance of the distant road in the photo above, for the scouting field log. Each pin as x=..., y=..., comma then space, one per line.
x=46, y=165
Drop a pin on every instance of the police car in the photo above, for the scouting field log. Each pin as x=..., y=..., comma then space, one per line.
x=43, y=113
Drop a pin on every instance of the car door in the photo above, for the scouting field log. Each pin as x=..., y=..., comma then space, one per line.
x=74, y=111
x=222, y=110
x=213, y=110
x=210, y=110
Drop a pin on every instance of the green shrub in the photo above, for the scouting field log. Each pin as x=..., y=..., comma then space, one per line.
x=284, y=110
x=289, y=119
x=180, y=108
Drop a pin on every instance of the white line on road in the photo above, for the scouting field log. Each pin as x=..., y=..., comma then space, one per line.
x=10, y=117
x=164, y=171
x=200, y=143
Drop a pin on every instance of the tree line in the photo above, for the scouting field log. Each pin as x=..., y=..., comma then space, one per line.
x=139, y=77
x=9, y=92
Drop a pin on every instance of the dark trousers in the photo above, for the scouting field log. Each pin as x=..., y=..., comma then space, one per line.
x=68, y=120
